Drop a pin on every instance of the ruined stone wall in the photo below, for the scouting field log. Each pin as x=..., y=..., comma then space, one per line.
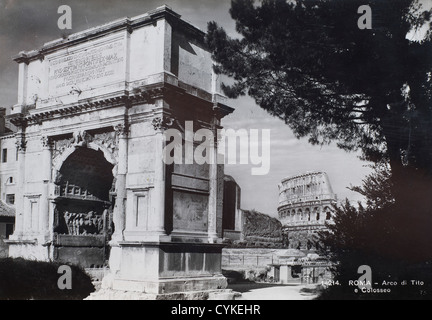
x=305, y=207
x=261, y=230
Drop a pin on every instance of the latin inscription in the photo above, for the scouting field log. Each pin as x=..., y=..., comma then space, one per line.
x=91, y=67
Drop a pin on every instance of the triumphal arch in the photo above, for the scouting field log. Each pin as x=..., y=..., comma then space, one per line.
x=92, y=185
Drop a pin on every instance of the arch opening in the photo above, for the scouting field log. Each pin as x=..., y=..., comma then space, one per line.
x=84, y=205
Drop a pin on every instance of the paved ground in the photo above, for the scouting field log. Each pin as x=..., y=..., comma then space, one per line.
x=264, y=291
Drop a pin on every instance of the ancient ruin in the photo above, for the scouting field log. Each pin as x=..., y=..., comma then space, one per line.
x=91, y=184
x=305, y=205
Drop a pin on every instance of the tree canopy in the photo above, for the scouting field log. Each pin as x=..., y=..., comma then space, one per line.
x=308, y=63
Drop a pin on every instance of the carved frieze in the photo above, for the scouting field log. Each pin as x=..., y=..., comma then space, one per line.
x=106, y=140
x=81, y=138
x=59, y=146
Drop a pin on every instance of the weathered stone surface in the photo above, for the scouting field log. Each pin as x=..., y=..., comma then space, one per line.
x=80, y=241
x=305, y=206
x=86, y=257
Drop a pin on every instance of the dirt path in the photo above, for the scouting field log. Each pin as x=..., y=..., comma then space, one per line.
x=256, y=291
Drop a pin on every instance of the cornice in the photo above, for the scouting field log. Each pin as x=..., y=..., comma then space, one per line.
x=146, y=94
x=124, y=24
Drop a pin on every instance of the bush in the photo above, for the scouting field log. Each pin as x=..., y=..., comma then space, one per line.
x=22, y=279
x=392, y=238
x=371, y=237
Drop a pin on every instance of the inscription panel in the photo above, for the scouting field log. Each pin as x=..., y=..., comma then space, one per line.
x=89, y=68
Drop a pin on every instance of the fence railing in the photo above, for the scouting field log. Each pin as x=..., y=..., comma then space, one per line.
x=249, y=260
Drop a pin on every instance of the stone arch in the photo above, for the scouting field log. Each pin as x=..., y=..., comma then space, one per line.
x=84, y=183
x=316, y=212
x=86, y=170
x=308, y=214
x=58, y=163
x=83, y=205
x=328, y=214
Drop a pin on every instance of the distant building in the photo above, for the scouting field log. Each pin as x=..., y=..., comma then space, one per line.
x=7, y=220
x=7, y=176
x=305, y=205
x=7, y=181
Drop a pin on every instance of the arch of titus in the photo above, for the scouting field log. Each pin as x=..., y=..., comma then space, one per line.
x=91, y=182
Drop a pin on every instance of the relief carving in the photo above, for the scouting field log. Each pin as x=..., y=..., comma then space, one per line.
x=59, y=146
x=162, y=123
x=121, y=130
x=46, y=142
x=21, y=142
x=106, y=140
x=81, y=138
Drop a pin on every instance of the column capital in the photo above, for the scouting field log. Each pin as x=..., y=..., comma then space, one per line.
x=47, y=142
x=21, y=142
x=122, y=130
x=162, y=123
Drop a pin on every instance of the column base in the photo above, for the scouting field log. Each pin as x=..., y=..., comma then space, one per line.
x=28, y=249
x=115, y=257
x=140, y=236
x=171, y=286
x=165, y=268
x=194, y=236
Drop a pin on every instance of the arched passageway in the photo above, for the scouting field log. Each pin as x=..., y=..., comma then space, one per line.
x=83, y=211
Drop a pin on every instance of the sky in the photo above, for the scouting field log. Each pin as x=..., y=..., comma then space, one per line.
x=27, y=25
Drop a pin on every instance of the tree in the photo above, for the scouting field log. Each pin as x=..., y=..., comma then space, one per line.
x=309, y=64
x=377, y=187
x=368, y=235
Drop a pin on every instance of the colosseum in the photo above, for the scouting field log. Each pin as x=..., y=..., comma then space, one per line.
x=305, y=205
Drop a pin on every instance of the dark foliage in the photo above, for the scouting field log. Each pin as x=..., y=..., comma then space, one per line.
x=378, y=236
x=35, y=280
x=377, y=187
